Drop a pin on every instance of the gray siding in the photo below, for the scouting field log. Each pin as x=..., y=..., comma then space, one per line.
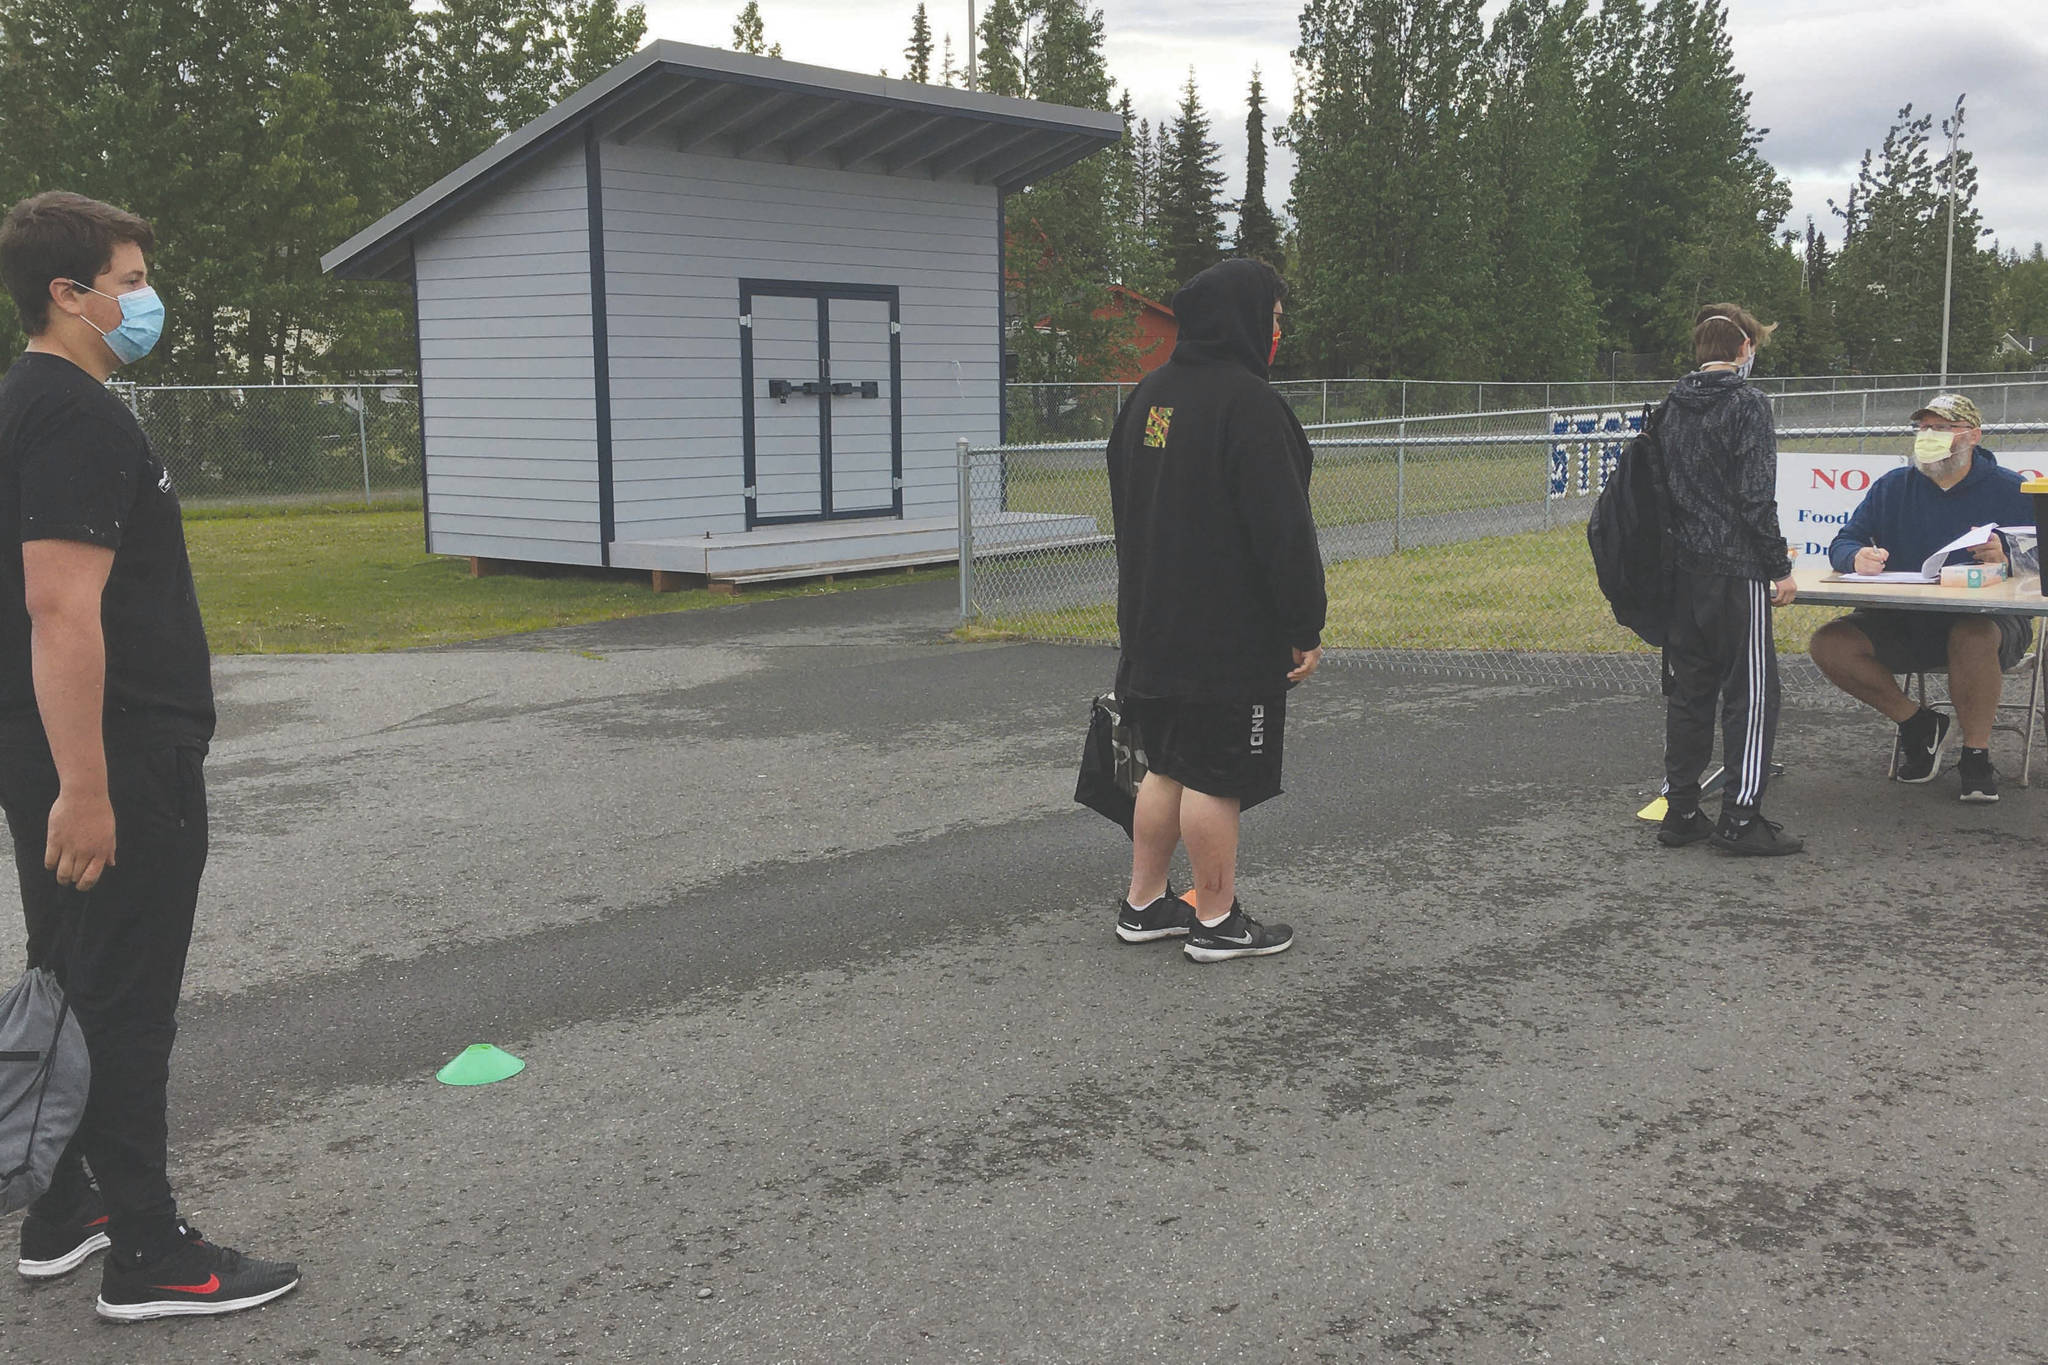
x=505, y=354
x=682, y=230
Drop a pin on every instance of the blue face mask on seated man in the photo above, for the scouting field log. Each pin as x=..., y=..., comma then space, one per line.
x=142, y=323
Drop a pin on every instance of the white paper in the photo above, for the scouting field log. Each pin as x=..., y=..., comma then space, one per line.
x=1891, y=576
x=1930, y=569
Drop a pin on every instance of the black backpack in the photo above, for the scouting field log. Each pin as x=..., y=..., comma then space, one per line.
x=1626, y=535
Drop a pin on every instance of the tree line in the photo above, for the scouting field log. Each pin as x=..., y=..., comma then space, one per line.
x=258, y=134
x=1519, y=199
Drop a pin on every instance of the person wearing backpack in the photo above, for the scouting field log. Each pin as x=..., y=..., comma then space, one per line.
x=106, y=709
x=1731, y=566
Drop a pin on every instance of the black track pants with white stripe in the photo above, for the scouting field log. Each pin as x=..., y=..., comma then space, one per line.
x=1720, y=654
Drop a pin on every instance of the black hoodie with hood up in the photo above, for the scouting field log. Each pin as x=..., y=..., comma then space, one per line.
x=1219, y=578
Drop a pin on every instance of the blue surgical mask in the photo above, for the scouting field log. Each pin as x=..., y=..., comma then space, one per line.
x=142, y=323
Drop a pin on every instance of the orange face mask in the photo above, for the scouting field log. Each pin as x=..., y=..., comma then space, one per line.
x=1273, y=354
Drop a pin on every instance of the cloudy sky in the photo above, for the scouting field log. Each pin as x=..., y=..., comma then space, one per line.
x=1826, y=77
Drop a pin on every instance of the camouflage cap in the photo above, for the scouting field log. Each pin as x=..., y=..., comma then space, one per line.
x=1951, y=407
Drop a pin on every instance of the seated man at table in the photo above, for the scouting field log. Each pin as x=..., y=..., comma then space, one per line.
x=1952, y=485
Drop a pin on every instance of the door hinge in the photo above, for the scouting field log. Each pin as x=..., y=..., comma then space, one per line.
x=752, y=492
x=747, y=321
x=896, y=483
x=895, y=328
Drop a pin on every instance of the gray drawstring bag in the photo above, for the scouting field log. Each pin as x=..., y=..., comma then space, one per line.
x=44, y=1076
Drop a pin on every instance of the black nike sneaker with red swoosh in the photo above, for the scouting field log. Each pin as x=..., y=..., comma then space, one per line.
x=51, y=1247
x=199, y=1279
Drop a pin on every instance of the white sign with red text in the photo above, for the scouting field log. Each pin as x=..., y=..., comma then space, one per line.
x=1817, y=493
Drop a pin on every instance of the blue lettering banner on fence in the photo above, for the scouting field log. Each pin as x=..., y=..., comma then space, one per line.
x=1573, y=463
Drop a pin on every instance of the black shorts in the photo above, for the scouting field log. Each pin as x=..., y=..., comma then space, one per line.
x=1218, y=748
x=1917, y=641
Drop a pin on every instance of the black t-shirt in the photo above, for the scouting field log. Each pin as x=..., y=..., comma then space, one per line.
x=74, y=465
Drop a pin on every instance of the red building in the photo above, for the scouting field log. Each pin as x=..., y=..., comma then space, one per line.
x=1153, y=332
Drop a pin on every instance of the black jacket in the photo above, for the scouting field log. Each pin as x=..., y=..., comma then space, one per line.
x=1218, y=574
x=1720, y=448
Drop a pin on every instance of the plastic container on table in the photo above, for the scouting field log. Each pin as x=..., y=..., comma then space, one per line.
x=2039, y=488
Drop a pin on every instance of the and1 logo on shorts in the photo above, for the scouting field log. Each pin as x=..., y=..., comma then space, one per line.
x=1156, y=423
x=1258, y=736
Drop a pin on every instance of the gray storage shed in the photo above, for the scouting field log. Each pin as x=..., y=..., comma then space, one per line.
x=719, y=314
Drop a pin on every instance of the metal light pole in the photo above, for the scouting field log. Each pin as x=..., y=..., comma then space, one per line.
x=1948, y=279
x=971, y=84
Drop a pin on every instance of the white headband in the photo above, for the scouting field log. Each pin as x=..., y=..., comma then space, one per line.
x=1723, y=317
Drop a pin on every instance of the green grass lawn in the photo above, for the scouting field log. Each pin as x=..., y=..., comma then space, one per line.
x=331, y=581
x=1523, y=592
x=1349, y=486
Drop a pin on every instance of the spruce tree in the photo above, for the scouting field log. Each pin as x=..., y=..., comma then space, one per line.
x=257, y=137
x=1001, y=69
x=1536, y=149
x=1258, y=232
x=1680, y=203
x=1392, y=266
x=1061, y=238
x=919, y=53
x=1189, y=212
x=2020, y=300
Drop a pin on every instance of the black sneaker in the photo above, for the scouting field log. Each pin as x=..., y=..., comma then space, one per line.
x=1239, y=935
x=1917, y=757
x=198, y=1279
x=1980, y=779
x=1752, y=836
x=1167, y=917
x=1679, y=828
x=50, y=1248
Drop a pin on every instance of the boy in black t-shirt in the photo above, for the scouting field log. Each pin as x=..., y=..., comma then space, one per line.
x=106, y=707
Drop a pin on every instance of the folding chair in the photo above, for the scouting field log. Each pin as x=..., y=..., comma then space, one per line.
x=2024, y=718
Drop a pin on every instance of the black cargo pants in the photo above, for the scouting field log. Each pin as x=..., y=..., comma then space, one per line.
x=120, y=952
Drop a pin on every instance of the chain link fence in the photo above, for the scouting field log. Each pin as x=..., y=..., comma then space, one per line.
x=284, y=443
x=1085, y=412
x=1453, y=543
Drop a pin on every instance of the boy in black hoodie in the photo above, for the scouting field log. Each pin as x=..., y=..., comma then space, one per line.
x=1220, y=601
x=1720, y=477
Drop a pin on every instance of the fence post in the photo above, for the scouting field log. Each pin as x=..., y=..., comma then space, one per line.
x=1401, y=468
x=363, y=439
x=1326, y=402
x=1862, y=420
x=966, y=461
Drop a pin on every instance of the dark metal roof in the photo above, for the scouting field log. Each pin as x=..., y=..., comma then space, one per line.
x=703, y=99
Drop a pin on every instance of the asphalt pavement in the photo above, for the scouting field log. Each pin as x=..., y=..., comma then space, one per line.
x=832, y=1056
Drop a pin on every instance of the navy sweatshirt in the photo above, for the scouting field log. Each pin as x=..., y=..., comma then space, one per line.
x=1219, y=578
x=1910, y=515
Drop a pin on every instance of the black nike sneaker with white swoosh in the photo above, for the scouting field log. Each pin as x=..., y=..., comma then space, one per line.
x=199, y=1279
x=1167, y=917
x=1239, y=935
